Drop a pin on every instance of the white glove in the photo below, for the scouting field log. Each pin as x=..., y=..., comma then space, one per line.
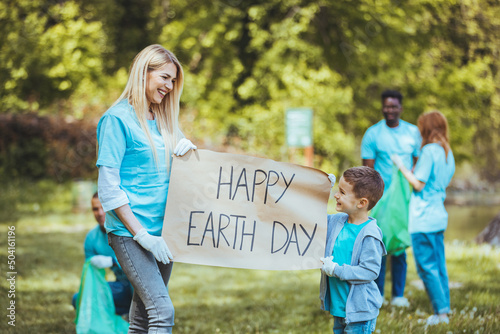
x=398, y=162
x=155, y=245
x=101, y=261
x=332, y=179
x=183, y=146
x=328, y=265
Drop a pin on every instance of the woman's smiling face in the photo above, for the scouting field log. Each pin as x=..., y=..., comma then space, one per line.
x=160, y=82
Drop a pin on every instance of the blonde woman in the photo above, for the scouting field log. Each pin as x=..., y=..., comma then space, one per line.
x=136, y=137
x=428, y=218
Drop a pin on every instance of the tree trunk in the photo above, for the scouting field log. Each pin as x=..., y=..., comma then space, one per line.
x=491, y=234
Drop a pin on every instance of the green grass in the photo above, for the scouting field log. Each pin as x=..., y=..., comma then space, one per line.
x=49, y=257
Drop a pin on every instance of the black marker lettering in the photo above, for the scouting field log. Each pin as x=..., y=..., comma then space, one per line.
x=309, y=237
x=270, y=185
x=243, y=174
x=222, y=228
x=210, y=220
x=255, y=180
x=236, y=229
x=243, y=234
x=272, y=240
x=191, y=227
x=294, y=232
x=287, y=185
x=230, y=183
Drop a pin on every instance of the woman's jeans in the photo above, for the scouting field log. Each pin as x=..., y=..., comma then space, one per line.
x=398, y=274
x=362, y=327
x=152, y=310
x=428, y=250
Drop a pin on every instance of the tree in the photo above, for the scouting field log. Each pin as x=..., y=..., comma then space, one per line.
x=46, y=50
x=246, y=61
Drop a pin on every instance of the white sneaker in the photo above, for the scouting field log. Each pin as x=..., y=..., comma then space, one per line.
x=400, y=302
x=437, y=319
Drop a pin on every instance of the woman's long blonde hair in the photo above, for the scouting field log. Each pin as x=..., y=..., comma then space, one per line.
x=167, y=112
x=433, y=127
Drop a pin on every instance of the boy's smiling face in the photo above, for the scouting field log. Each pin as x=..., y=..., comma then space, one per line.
x=347, y=201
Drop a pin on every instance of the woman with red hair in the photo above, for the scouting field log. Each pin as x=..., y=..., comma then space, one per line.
x=428, y=218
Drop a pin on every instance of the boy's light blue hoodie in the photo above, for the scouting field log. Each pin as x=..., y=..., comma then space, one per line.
x=364, y=299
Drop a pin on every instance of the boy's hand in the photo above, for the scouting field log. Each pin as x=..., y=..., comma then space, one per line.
x=328, y=265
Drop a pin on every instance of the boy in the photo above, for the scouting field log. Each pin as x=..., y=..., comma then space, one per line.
x=353, y=254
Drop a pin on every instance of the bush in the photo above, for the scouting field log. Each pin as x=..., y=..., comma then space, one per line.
x=34, y=147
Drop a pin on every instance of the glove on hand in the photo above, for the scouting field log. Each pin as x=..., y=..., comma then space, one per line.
x=155, y=245
x=101, y=261
x=183, y=146
x=332, y=179
x=328, y=265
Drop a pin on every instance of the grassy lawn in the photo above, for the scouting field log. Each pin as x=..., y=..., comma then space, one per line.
x=49, y=256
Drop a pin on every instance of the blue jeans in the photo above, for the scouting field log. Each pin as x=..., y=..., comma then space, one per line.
x=362, y=327
x=428, y=250
x=152, y=310
x=122, y=296
x=398, y=275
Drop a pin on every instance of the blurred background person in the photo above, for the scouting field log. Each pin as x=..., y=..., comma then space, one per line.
x=428, y=215
x=101, y=255
x=391, y=136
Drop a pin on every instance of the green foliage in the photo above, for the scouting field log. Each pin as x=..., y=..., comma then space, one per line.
x=24, y=197
x=441, y=55
x=33, y=147
x=128, y=26
x=247, y=61
x=243, y=77
x=46, y=50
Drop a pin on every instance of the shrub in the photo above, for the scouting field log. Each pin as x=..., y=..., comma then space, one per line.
x=34, y=147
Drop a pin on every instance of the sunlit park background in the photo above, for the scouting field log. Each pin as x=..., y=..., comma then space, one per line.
x=63, y=63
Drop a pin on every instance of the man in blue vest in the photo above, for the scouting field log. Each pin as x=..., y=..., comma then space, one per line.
x=388, y=137
x=101, y=255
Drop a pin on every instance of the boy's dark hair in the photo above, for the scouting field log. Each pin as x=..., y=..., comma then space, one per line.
x=366, y=182
x=96, y=195
x=392, y=93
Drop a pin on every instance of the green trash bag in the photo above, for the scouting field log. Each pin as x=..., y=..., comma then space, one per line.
x=95, y=310
x=391, y=213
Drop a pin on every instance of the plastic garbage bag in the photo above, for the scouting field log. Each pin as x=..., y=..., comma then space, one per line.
x=95, y=310
x=391, y=213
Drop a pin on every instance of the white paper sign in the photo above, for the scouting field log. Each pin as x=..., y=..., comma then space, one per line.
x=240, y=211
